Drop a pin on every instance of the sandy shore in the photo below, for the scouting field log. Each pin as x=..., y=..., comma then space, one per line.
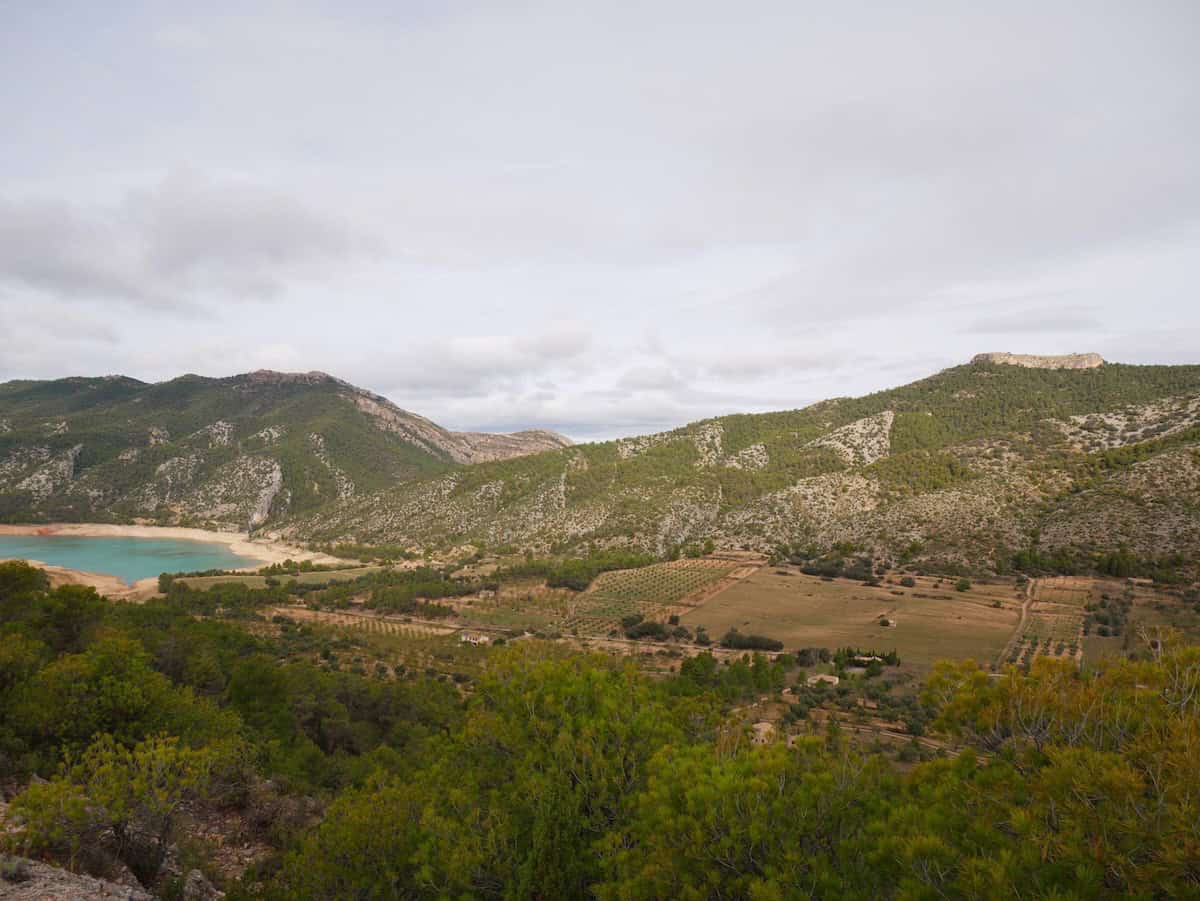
x=263, y=551
x=109, y=586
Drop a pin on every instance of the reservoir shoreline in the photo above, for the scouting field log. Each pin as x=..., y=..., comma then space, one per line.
x=263, y=551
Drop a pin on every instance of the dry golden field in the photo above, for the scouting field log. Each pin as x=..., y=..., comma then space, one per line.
x=932, y=620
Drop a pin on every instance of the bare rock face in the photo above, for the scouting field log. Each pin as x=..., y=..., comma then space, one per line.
x=862, y=442
x=461, y=447
x=197, y=888
x=29, y=880
x=1033, y=361
x=482, y=447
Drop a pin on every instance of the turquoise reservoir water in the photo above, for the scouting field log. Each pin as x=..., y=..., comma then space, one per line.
x=127, y=558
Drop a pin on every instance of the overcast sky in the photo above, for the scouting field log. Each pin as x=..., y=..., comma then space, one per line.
x=603, y=218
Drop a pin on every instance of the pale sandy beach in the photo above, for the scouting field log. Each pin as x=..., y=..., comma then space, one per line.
x=264, y=551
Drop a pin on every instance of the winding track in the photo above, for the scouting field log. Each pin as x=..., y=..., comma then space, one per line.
x=1030, y=597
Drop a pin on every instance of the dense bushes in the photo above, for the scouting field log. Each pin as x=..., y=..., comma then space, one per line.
x=741, y=642
x=626, y=793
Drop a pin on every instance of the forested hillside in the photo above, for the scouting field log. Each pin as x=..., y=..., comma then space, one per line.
x=168, y=744
x=975, y=464
x=234, y=452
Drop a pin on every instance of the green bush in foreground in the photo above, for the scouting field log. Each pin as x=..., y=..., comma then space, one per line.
x=569, y=776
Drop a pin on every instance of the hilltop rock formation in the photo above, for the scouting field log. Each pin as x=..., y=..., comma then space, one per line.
x=1034, y=361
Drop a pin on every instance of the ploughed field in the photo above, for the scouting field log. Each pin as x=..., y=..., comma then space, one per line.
x=927, y=622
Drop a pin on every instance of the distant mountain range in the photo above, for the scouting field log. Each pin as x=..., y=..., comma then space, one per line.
x=1008, y=454
x=239, y=451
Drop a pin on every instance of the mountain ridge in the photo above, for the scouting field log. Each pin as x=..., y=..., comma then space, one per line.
x=975, y=462
x=234, y=451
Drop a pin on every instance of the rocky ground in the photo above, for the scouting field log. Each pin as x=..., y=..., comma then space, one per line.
x=22, y=879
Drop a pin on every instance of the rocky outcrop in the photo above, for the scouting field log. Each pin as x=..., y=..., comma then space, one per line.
x=242, y=492
x=1130, y=425
x=345, y=486
x=753, y=457
x=1034, y=361
x=29, y=880
x=483, y=447
x=461, y=447
x=52, y=476
x=863, y=441
x=709, y=439
x=218, y=434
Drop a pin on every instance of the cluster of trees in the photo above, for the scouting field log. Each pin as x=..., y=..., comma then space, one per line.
x=739, y=641
x=577, y=573
x=845, y=656
x=412, y=591
x=384, y=553
x=290, y=567
x=1108, y=616
x=566, y=775
x=917, y=471
x=1174, y=569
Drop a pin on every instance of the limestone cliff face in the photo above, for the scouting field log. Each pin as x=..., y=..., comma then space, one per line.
x=1034, y=361
x=461, y=447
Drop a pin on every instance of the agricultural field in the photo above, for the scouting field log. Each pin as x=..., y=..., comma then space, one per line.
x=1054, y=624
x=531, y=608
x=932, y=620
x=1152, y=609
x=652, y=591
x=1057, y=624
x=361, y=622
x=394, y=642
x=663, y=583
x=1049, y=635
x=252, y=580
x=1069, y=591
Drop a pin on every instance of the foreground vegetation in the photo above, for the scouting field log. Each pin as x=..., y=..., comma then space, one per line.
x=558, y=775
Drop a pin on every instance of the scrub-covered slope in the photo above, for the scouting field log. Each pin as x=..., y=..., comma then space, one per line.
x=974, y=464
x=240, y=451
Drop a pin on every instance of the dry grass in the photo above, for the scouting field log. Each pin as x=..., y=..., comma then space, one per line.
x=932, y=620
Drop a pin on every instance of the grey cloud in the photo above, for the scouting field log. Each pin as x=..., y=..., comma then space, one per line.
x=649, y=378
x=1072, y=320
x=471, y=365
x=164, y=246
